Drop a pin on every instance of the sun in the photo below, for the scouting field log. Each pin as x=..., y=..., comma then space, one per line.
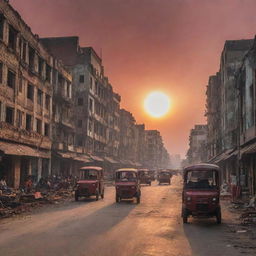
x=157, y=104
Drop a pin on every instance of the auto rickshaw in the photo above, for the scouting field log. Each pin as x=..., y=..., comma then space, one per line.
x=201, y=192
x=164, y=177
x=144, y=176
x=127, y=184
x=90, y=182
x=152, y=175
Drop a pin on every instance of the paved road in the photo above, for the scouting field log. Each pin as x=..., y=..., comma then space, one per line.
x=104, y=228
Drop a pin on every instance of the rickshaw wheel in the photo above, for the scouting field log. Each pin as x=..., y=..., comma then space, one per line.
x=138, y=199
x=102, y=195
x=185, y=219
x=76, y=197
x=117, y=199
x=218, y=216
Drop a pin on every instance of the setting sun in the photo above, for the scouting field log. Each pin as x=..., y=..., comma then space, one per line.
x=157, y=104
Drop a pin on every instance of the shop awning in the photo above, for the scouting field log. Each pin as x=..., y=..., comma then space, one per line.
x=249, y=149
x=96, y=158
x=66, y=155
x=82, y=158
x=110, y=160
x=22, y=150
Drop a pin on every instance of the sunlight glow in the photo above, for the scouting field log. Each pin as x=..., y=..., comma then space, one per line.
x=157, y=104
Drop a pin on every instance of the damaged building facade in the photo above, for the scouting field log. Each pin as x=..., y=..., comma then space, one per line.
x=231, y=116
x=25, y=101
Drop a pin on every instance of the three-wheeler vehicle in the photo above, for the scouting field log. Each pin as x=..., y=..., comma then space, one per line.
x=127, y=184
x=144, y=176
x=201, y=192
x=152, y=174
x=90, y=182
x=164, y=177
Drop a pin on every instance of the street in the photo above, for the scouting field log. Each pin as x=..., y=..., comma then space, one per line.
x=105, y=228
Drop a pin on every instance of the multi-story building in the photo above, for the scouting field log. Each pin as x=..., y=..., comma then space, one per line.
x=25, y=100
x=197, y=152
x=213, y=108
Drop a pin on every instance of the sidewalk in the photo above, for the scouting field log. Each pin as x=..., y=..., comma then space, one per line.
x=240, y=235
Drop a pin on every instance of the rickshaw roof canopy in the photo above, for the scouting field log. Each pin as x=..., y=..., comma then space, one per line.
x=96, y=168
x=203, y=167
x=127, y=170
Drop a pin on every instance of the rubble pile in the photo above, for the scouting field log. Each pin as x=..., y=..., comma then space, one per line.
x=16, y=201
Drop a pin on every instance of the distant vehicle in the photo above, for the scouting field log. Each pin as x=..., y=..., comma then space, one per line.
x=152, y=174
x=164, y=177
x=201, y=192
x=144, y=176
x=90, y=182
x=127, y=184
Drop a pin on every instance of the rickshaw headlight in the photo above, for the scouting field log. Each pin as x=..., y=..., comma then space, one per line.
x=214, y=199
x=188, y=198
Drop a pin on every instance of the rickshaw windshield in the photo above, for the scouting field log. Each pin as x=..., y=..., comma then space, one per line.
x=164, y=174
x=202, y=179
x=126, y=176
x=88, y=174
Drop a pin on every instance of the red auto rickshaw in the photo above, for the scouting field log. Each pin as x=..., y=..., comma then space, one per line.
x=90, y=182
x=201, y=192
x=127, y=184
x=144, y=176
x=164, y=177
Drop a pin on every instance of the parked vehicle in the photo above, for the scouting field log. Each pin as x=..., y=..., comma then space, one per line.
x=164, y=177
x=90, y=182
x=127, y=184
x=152, y=175
x=201, y=192
x=144, y=176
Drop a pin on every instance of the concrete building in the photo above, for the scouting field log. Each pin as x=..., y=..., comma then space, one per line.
x=213, y=114
x=175, y=161
x=25, y=100
x=197, y=152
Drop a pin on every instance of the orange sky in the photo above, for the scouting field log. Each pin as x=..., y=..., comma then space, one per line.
x=168, y=45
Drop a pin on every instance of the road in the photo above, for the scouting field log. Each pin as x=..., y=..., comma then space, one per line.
x=104, y=228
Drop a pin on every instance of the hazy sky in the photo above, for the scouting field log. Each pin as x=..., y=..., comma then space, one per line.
x=168, y=45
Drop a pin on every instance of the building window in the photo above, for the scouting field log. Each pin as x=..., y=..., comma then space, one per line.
x=46, y=129
x=9, y=115
x=30, y=92
x=80, y=123
x=1, y=26
x=39, y=126
x=47, y=101
x=40, y=66
x=31, y=58
x=39, y=97
x=69, y=90
x=48, y=73
x=80, y=101
x=81, y=78
x=28, y=122
x=12, y=38
x=1, y=72
x=11, y=77
x=80, y=139
x=24, y=51
x=19, y=119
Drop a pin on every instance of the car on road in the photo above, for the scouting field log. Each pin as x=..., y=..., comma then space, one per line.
x=201, y=192
x=164, y=177
x=90, y=182
x=127, y=184
x=144, y=176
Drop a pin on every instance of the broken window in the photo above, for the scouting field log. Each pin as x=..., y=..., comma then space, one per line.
x=28, y=122
x=47, y=101
x=11, y=77
x=19, y=118
x=31, y=58
x=39, y=97
x=80, y=101
x=80, y=123
x=1, y=26
x=48, y=73
x=30, y=92
x=9, y=115
x=12, y=39
x=81, y=78
x=46, y=129
x=39, y=126
x=1, y=72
